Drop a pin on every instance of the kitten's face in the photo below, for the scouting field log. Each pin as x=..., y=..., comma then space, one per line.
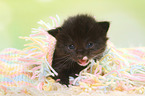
x=81, y=38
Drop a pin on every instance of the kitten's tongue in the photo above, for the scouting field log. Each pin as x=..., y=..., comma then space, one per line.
x=84, y=61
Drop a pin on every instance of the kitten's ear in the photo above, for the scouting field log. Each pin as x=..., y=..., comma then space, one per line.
x=55, y=31
x=105, y=25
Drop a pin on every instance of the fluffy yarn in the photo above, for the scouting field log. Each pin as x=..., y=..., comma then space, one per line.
x=118, y=70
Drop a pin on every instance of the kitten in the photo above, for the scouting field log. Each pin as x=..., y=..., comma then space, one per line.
x=79, y=39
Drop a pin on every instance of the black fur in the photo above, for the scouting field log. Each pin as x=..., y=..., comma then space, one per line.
x=88, y=38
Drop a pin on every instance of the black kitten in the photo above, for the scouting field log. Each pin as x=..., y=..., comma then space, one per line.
x=79, y=39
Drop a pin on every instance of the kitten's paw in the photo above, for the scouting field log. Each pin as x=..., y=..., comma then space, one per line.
x=64, y=82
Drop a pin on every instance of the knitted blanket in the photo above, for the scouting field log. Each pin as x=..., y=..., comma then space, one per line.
x=27, y=70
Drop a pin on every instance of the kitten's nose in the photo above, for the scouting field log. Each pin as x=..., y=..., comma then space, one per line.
x=85, y=58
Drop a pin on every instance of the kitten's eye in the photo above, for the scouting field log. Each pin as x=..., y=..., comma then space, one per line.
x=90, y=45
x=71, y=47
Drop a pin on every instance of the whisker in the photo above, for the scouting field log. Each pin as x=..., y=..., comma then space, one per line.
x=61, y=57
x=62, y=60
x=62, y=65
x=67, y=60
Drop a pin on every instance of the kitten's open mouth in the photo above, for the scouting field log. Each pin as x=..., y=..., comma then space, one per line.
x=83, y=62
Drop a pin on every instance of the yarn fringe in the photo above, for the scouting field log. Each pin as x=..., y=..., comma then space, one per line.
x=118, y=70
